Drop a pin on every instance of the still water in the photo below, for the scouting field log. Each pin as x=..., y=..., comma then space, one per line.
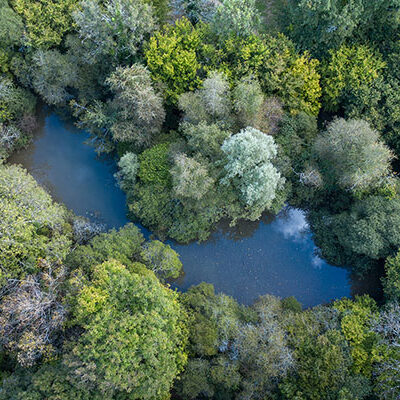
x=275, y=256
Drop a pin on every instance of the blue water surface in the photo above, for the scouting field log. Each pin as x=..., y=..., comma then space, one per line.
x=275, y=256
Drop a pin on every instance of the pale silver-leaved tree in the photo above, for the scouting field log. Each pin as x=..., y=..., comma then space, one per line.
x=249, y=167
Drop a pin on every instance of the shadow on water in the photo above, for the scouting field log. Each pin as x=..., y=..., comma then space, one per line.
x=272, y=255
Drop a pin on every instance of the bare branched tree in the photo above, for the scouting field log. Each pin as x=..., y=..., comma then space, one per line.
x=387, y=372
x=84, y=230
x=32, y=315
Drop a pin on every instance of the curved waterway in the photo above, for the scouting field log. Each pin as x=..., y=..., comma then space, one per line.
x=275, y=256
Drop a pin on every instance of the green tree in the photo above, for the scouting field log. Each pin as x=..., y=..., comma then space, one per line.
x=295, y=136
x=11, y=34
x=274, y=61
x=32, y=226
x=15, y=102
x=319, y=25
x=173, y=59
x=391, y=280
x=113, y=29
x=248, y=99
x=214, y=319
x=195, y=10
x=262, y=350
x=349, y=72
x=161, y=259
x=134, y=334
x=50, y=381
x=351, y=156
x=124, y=245
x=128, y=166
x=236, y=17
x=205, y=139
x=136, y=111
x=356, y=324
x=249, y=169
x=154, y=165
x=361, y=235
x=53, y=76
x=46, y=21
x=322, y=360
x=190, y=177
x=211, y=103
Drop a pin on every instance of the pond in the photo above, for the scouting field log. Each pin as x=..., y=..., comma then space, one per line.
x=275, y=256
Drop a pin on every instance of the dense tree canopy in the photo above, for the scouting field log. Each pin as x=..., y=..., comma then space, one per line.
x=172, y=57
x=249, y=169
x=214, y=111
x=351, y=156
x=32, y=225
x=46, y=21
x=113, y=29
x=140, y=327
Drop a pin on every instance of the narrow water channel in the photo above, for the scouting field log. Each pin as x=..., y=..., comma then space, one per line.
x=275, y=256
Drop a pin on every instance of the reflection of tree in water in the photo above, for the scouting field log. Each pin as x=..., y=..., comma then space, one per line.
x=243, y=229
x=369, y=284
x=179, y=281
x=25, y=156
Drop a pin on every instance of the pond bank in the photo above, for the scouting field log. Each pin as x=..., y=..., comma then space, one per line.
x=275, y=256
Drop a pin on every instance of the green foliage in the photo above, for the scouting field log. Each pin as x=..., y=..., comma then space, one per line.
x=318, y=25
x=195, y=10
x=128, y=168
x=195, y=380
x=391, y=280
x=322, y=363
x=14, y=101
x=262, y=350
x=161, y=259
x=351, y=156
x=172, y=58
x=281, y=71
x=248, y=99
x=113, y=29
x=215, y=104
x=161, y=9
x=249, y=169
x=348, y=72
x=210, y=103
x=134, y=334
x=236, y=18
x=136, y=112
x=50, y=381
x=291, y=304
x=356, y=318
x=365, y=233
x=295, y=136
x=53, y=75
x=190, y=178
x=11, y=33
x=32, y=226
x=46, y=21
x=213, y=320
x=124, y=246
x=205, y=139
x=154, y=165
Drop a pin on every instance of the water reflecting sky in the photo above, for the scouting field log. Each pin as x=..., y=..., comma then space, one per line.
x=274, y=256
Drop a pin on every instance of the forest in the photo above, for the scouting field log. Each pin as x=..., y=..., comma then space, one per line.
x=214, y=110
